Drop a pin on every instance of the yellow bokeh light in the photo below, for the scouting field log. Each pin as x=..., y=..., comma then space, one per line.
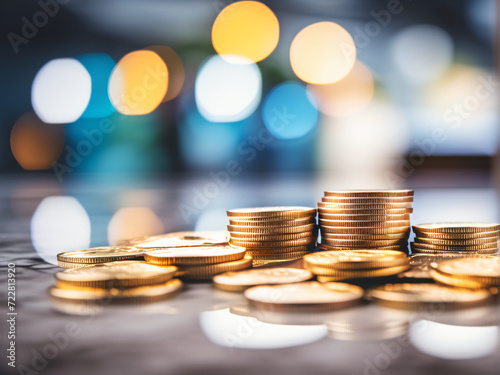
x=347, y=96
x=176, y=74
x=138, y=83
x=322, y=53
x=246, y=28
x=132, y=222
x=35, y=144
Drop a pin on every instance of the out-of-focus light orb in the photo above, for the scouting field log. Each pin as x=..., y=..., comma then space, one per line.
x=322, y=53
x=347, y=96
x=61, y=91
x=453, y=342
x=59, y=224
x=289, y=111
x=138, y=83
x=176, y=74
x=226, y=92
x=245, y=28
x=35, y=144
x=132, y=222
x=422, y=53
x=235, y=331
x=99, y=66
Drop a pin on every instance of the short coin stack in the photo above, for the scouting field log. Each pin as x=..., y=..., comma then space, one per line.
x=338, y=265
x=456, y=238
x=273, y=234
x=365, y=219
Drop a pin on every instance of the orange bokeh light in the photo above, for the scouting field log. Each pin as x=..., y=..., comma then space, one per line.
x=246, y=28
x=132, y=222
x=322, y=53
x=138, y=83
x=347, y=96
x=176, y=74
x=35, y=144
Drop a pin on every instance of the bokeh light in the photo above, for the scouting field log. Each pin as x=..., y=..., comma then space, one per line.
x=227, y=92
x=99, y=66
x=59, y=223
x=35, y=144
x=176, y=74
x=322, y=53
x=422, y=53
x=130, y=222
x=289, y=111
x=61, y=91
x=138, y=83
x=347, y=96
x=245, y=28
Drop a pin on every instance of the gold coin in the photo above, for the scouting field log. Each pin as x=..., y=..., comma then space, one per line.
x=272, y=230
x=347, y=211
x=417, y=249
x=181, y=239
x=366, y=200
x=71, y=265
x=259, y=244
x=453, y=281
x=280, y=256
x=326, y=247
x=272, y=223
x=366, y=237
x=241, y=280
x=139, y=294
x=191, y=256
x=361, y=243
x=415, y=295
x=456, y=227
x=336, y=275
x=279, y=250
x=258, y=263
x=207, y=272
x=309, y=295
x=484, y=270
x=102, y=254
x=454, y=242
x=364, y=217
x=427, y=246
x=366, y=206
x=364, y=224
x=370, y=193
x=285, y=212
x=457, y=236
x=420, y=263
x=355, y=259
x=365, y=230
x=120, y=274
x=271, y=237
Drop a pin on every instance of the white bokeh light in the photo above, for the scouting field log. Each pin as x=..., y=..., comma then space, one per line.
x=61, y=91
x=422, y=53
x=59, y=224
x=227, y=92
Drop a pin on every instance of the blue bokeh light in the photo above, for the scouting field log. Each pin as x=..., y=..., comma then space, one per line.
x=289, y=111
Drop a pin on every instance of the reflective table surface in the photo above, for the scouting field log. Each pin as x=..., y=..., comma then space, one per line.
x=201, y=329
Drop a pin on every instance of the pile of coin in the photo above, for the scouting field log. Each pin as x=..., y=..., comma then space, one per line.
x=365, y=219
x=474, y=272
x=456, y=238
x=125, y=281
x=339, y=265
x=273, y=234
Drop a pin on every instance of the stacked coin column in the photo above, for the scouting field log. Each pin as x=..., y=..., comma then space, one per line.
x=273, y=234
x=378, y=219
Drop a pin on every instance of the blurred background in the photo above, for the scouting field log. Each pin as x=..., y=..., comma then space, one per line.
x=275, y=98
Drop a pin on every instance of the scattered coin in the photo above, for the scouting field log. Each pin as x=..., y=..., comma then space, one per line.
x=181, y=239
x=190, y=256
x=484, y=270
x=102, y=254
x=355, y=259
x=208, y=271
x=337, y=275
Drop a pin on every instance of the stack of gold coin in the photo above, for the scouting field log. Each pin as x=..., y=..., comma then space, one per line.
x=95, y=255
x=201, y=263
x=365, y=219
x=474, y=272
x=456, y=238
x=273, y=234
x=338, y=265
x=126, y=281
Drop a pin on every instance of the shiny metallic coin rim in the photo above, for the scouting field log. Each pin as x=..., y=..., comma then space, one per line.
x=458, y=236
x=365, y=206
x=360, y=273
x=366, y=237
x=154, y=257
x=369, y=193
x=426, y=246
x=367, y=243
x=451, y=228
x=340, y=211
x=272, y=223
x=364, y=217
x=279, y=211
x=454, y=242
x=367, y=200
x=353, y=259
x=287, y=243
x=364, y=230
x=363, y=223
x=272, y=230
x=243, y=236
x=208, y=271
x=65, y=257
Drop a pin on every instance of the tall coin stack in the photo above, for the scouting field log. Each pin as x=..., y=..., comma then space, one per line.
x=459, y=239
x=365, y=219
x=273, y=234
